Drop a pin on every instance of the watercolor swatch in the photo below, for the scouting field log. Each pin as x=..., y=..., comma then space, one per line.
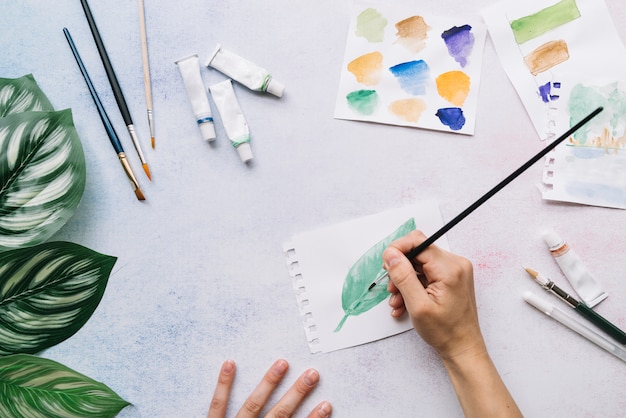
x=590, y=167
x=405, y=67
x=331, y=266
x=538, y=39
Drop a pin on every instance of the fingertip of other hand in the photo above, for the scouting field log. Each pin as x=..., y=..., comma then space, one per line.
x=311, y=377
x=228, y=367
x=325, y=409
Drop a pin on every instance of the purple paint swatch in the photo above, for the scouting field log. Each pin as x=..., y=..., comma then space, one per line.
x=452, y=117
x=546, y=93
x=412, y=76
x=460, y=42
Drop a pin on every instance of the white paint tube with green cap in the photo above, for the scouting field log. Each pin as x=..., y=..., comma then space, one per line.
x=232, y=117
x=243, y=71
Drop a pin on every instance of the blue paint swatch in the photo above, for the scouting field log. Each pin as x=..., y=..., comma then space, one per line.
x=546, y=91
x=460, y=42
x=452, y=117
x=413, y=76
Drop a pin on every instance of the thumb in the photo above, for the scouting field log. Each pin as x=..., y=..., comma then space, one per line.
x=402, y=275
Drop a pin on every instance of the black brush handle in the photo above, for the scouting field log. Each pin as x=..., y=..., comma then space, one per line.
x=434, y=237
x=115, y=85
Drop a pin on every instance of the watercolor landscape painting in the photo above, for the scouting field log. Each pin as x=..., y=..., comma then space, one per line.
x=331, y=270
x=536, y=40
x=590, y=168
x=407, y=68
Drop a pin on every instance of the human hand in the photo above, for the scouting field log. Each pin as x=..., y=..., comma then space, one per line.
x=254, y=404
x=441, y=303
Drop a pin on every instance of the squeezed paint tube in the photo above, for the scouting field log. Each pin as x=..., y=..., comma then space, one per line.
x=190, y=70
x=245, y=72
x=233, y=120
x=584, y=283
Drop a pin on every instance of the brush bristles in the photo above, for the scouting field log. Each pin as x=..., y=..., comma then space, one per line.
x=531, y=272
x=139, y=194
x=147, y=170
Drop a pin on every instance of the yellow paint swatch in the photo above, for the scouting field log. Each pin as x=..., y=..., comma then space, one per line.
x=409, y=110
x=412, y=33
x=367, y=68
x=454, y=86
x=547, y=56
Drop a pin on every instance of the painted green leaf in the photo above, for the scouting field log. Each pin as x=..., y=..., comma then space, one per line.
x=32, y=386
x=356, y=297
x=42, y=176
x=22, y=94
x=47, y=293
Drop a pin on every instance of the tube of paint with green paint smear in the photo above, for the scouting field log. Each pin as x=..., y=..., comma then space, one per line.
x=190, y=71
x=232, y=117
x=245, y=72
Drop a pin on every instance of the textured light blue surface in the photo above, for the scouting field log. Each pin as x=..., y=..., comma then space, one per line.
x=201, y=276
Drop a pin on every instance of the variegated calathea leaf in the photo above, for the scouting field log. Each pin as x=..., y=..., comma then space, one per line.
x=22, y=94
x=47, y=293
x=42, y=176
x=356, y=295
x=37, y=387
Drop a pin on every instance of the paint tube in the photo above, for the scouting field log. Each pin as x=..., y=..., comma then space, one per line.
x=190, y=70
x=584, y=283
x=232, y=117
x=245, y=72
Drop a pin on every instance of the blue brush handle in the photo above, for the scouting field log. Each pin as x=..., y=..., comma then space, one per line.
x=103, y=115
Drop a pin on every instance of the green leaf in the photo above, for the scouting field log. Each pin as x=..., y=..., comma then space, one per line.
x=22, y=94
x=356, y=297
x=37, y=387
x=42, y=176
x=47, y=293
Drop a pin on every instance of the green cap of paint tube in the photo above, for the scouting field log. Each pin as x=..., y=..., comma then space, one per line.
x=245, y=152
x=275, y=87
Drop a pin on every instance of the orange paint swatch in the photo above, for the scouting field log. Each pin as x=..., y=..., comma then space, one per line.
x=454, y=86
x=547, y=56
x=412, y=33
x=367, y=68
x=409, y=110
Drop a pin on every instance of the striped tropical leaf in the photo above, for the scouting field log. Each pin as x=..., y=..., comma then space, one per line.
x=22, y=94
x=47, y=293
x=42, y=176
x=37, y=387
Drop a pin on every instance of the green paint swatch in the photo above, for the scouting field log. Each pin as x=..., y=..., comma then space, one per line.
x=363, y=101
x=532, y=26
x=370, y=24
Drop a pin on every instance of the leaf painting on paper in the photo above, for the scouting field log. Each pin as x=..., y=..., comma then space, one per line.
x=405, y=67
x=37, y=387
x=42, y=176
x=356, y=297
x=47, y=293
x=22, y=94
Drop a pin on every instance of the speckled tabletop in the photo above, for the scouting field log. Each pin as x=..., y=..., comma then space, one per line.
x=201, y=276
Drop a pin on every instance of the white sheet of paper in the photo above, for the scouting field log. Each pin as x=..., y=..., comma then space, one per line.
x=590, y=168
x=593, y=44
x=458, y=55
x=319, y=261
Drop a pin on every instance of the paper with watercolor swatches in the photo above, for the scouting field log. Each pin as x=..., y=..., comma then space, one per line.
x=332, y=268
x=403, y=66
x=538, y=39
x=590, y=167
